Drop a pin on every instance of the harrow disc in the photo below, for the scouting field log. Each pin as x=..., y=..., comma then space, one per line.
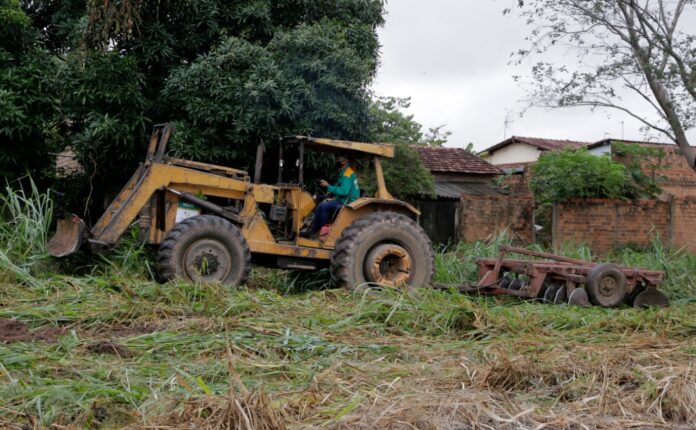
x=561, y=296
x=579, y=298
x=550, y=294
x=650, y=297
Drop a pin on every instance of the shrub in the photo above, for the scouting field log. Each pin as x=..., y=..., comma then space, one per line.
x=567, y=174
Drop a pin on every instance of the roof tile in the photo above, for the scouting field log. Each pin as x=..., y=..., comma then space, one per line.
x=543, y=144
x=454, y=160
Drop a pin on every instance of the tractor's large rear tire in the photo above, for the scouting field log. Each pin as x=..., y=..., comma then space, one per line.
x=204, y=249
x=383, y=248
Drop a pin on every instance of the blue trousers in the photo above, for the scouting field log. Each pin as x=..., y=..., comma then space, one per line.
x=325, y=213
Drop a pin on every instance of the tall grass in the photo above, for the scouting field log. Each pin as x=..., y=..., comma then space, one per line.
x=26, y=217
x=679, y=267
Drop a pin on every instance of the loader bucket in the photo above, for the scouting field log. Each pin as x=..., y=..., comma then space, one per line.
x=70, y=232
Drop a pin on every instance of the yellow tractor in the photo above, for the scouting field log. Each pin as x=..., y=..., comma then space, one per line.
x=210, y=222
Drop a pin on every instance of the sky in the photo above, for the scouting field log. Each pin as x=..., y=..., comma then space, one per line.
x=452, y=58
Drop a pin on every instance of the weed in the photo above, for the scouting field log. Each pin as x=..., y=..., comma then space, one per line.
x=23, y=234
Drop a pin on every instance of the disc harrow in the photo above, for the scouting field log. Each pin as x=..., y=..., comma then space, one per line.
x=556, y=279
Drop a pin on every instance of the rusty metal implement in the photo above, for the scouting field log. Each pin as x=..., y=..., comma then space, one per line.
x=556, y=279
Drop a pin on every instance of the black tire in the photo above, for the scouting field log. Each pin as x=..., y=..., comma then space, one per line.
x=387, y=235
x=606, y=285
x=204, y=249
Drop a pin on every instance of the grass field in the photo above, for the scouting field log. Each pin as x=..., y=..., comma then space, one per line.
x=105, y=347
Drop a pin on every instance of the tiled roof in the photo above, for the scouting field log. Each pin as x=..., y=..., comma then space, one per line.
x=454, y=160
x=543, y=144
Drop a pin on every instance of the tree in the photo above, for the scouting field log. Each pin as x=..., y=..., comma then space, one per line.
x=28, y=102
x=228, y=72
x=405, y=175
x=623, y=47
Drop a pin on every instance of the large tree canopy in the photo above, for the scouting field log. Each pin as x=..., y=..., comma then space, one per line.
x=95, y=76
x=28, y=104
x=624, y=47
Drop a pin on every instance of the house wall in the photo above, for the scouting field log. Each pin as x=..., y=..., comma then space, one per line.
x=600, y=150
x=605, y=224
x=514, y=153
x=485, y=216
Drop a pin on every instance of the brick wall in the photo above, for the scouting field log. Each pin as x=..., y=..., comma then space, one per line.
x=484, y=216
x=679, y=180
x=516, y=181
x=605, y=224
x=683, y=215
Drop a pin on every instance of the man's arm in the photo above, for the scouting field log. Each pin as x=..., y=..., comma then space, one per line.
x=342, y=187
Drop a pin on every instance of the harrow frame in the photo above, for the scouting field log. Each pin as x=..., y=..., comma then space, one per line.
x=556, y=279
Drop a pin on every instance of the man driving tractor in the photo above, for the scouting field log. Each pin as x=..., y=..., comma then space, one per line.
x=345, y=191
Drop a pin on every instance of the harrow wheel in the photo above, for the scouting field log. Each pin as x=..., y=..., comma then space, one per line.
x=606, y=285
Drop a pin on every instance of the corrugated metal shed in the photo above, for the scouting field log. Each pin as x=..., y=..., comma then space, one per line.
x=453, y=190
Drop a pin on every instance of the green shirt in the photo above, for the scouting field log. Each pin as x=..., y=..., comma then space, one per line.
x=346, y=189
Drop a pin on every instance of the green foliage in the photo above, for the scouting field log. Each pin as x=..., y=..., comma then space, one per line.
x=226, y=72
x=389, y=124
x=306, y=80
x=642, y=165
x=437, y=136
x=105, y=105
x=15, y=29
x=25, y=218
x=28, y=113
x=559, y=176
x=405, y=175
x=28, y=101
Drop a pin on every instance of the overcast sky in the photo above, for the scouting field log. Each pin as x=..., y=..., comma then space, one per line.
x=451, y=57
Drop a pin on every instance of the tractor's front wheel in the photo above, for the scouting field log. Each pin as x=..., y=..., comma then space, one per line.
x=204, y=249
x=383, y=248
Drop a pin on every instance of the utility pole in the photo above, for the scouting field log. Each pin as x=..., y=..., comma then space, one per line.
x=506, y=124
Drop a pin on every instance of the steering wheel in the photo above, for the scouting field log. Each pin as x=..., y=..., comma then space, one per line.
x=320, y=195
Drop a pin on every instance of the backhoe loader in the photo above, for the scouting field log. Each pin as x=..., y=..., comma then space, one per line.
x=211, y=222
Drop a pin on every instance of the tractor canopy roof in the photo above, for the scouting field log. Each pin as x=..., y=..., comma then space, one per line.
x=356, y=149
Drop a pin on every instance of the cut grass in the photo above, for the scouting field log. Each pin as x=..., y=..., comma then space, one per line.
x=330, y=359
x=285, y=351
